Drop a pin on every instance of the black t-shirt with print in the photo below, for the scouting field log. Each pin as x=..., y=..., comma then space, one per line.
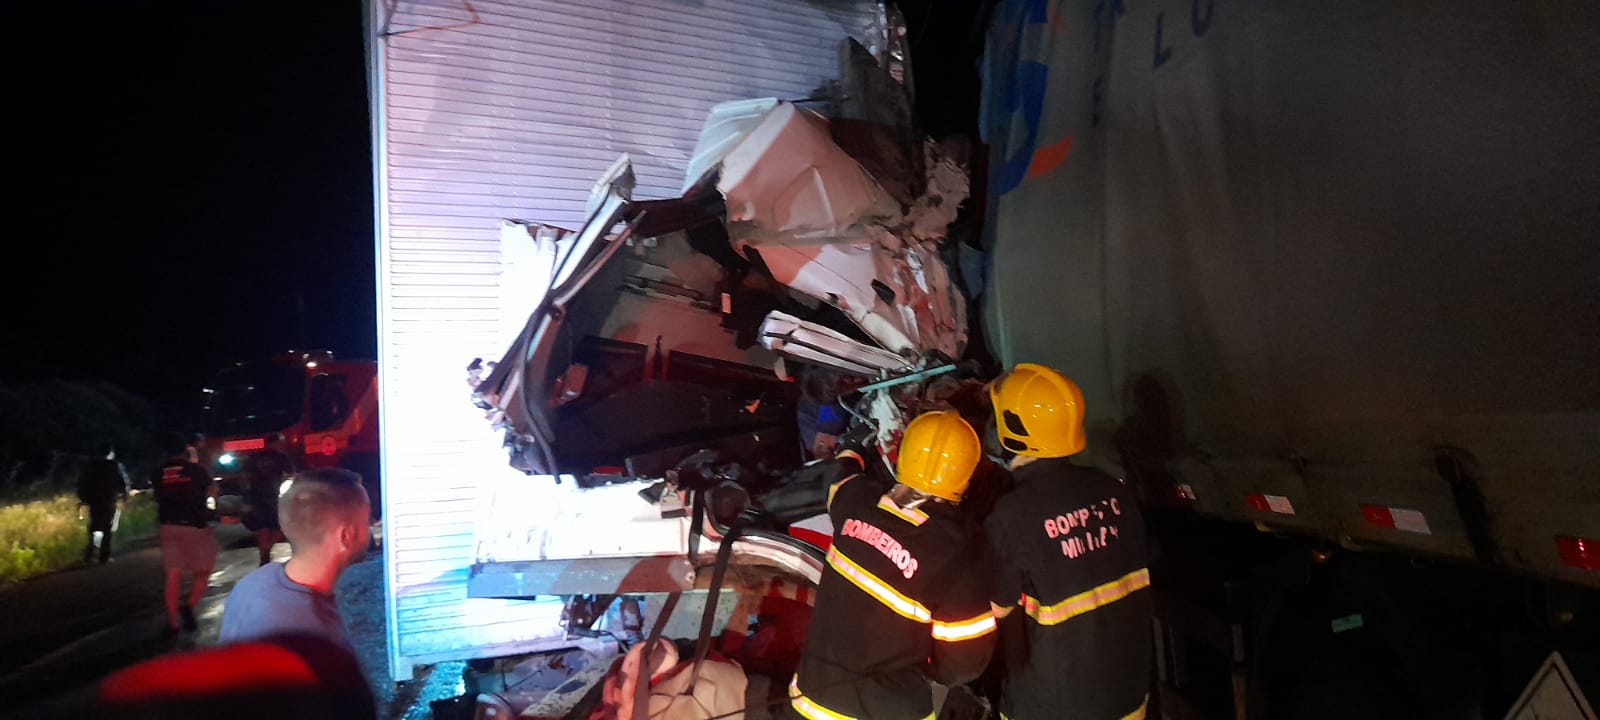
x=181, y=488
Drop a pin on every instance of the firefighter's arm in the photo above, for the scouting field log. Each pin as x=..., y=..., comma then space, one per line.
x=855, y=446
x=843, y=468
x=963, y=627
x=961, y=660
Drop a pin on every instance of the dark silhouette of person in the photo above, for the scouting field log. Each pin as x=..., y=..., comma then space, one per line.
x=266, y=470
x=102, y=488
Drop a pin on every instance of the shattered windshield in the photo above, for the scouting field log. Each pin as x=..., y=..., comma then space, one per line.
x=254, y=399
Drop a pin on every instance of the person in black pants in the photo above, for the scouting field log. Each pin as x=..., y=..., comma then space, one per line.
x=102, y=488
x=266, y=470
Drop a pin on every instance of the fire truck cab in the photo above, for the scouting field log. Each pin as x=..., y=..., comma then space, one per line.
x=325, y=409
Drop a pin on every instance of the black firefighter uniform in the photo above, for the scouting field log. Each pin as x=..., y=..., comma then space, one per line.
x=1069, y=548
x=904, y=599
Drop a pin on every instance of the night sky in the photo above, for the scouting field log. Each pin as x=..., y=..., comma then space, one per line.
x=189, y=186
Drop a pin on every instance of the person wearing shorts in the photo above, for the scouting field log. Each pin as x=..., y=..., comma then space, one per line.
x=188, y=547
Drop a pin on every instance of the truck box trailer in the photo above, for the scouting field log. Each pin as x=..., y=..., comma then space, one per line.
x=510, y=110
x=1327, y=275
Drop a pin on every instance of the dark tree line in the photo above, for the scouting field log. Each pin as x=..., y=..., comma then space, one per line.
x=48, y=428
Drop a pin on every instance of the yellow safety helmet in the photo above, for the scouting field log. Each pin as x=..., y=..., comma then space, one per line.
x=937, y=455
x=1038, y=412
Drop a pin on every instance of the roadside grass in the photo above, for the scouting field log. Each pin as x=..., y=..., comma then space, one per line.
x=42, y=536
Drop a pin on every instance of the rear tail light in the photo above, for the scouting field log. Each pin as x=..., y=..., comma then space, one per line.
x=1581, y=553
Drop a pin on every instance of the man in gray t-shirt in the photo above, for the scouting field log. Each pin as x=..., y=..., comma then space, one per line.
x=267, y=603
x=324, y=515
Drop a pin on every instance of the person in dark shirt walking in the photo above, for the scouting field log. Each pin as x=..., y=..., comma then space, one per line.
x=1070, y=549
x=187, y=545
x=103, y=489
x=266, y=470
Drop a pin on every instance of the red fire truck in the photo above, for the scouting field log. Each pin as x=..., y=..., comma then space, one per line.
x=324, y=407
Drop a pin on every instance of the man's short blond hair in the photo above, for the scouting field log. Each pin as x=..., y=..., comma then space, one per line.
x=319, y=501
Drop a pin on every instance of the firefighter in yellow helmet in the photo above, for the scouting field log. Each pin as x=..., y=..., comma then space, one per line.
x=904, y=598
x=1068, y=544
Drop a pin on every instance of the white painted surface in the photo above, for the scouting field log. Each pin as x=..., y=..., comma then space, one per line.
x=523, y=521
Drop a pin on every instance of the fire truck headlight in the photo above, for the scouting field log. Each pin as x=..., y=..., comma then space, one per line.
x=284, y=488
x=211, y=503
x=226, y=459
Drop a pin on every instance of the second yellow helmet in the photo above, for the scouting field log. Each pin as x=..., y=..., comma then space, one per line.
x=1038, y=412
x=938, y=453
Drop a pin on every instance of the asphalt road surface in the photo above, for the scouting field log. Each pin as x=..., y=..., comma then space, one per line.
x=63, y=632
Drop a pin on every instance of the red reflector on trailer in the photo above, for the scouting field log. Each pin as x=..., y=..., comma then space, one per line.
x=246, y=444
x=1270, y=503
x=1581, y=553
x=1377, y=516
x=1396, y=519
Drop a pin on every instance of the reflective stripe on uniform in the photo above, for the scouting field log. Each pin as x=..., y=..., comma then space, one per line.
x=1088, y=600
x=910, y=515
x=806, y=707
x=973, y=627
x=882, y=591
x=1135, y=715
x=810, y=709
x=835, y=488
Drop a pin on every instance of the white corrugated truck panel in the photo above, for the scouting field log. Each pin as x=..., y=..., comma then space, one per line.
x=514, y=116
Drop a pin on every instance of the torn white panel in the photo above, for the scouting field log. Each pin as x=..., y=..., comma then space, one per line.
x=927, y=306
x=786, y=175
x=825, y=228
x=528, y=521
x=887, y=417
x=948, y=186
x=797, y=338
x=924, y=311
x=618, y=179
x=528, y=255
x=726, y=125
x=842, y=274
